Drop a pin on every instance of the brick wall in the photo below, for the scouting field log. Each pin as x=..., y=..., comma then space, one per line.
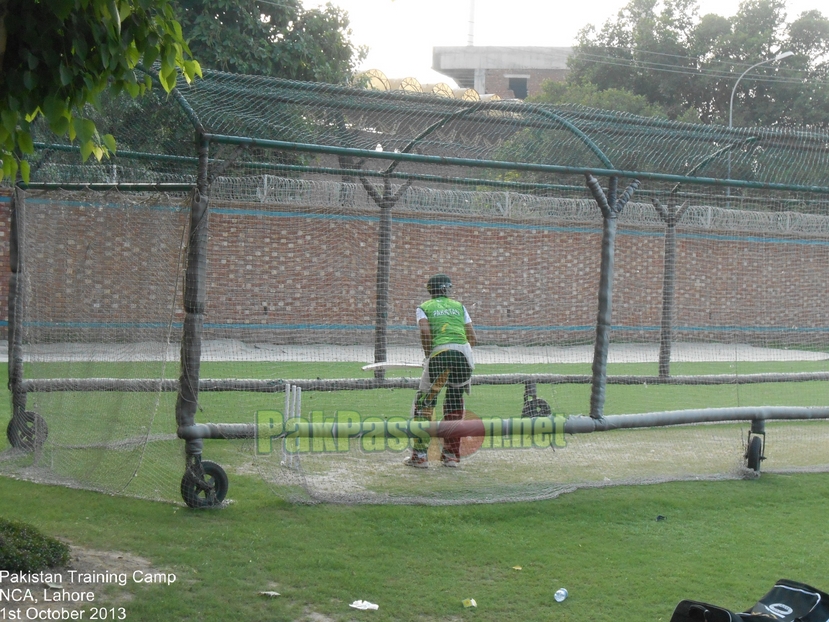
x=293, y=276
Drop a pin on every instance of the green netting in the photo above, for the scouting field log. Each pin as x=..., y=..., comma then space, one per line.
x=326, y=210
x=308, y=126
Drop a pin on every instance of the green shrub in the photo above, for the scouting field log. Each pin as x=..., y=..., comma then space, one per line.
x=24, y=549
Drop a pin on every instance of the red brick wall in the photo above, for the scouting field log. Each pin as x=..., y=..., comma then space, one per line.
x=283, y=268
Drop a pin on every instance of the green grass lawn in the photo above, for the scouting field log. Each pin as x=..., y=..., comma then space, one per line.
x=724, y=542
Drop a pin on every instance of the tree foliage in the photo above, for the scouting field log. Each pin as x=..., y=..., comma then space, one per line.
x=58, y=56
x=590, y=95
x=279, y=39
x=688, y=65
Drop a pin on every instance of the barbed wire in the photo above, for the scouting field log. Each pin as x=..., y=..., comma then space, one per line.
x=269, y=189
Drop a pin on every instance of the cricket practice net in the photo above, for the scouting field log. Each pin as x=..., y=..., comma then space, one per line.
x=291, y=303
x=647, y=294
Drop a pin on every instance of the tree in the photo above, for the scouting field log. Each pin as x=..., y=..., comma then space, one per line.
x=679, y=62
x=591, y=96
x=280, y=39
x=58, y=56
x=643, y=51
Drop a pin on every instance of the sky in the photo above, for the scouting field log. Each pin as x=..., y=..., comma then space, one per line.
x=400, y=34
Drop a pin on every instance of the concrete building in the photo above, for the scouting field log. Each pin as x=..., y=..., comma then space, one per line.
x=509, y=72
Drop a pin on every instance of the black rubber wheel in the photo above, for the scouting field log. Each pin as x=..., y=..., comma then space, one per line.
x=753, y=457
x=209, y=493
x=536, y=407
x=27, y=431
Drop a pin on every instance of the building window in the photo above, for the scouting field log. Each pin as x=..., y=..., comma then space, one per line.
x=519, y=87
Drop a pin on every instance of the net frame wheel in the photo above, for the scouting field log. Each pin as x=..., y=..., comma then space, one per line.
x=754, y=453
x=27, y=431
x=204, y=485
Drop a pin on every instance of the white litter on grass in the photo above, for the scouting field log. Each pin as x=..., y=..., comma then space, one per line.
x=363, y=605
x=270, y=594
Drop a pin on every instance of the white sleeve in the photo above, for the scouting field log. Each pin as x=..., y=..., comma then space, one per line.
x=466, y=318
x=420, y=315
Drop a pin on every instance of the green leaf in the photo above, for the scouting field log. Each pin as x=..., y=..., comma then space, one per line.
x=86, y=149
x=109, y=141
x=53, y=108
x=62, y=8
x=105, y=56
x=24, y=141
x=167, y=76
x=85, y=129
x=125, y=8
x=80, y=48
x=150, y=55
x=25, y=171
x=9, y=120
x=9, y=166
x=191, y=69
x=65, y=75
x=29, y=80
x=60, y=126
x=132, y=55
x=116, y=17
x=132, y=88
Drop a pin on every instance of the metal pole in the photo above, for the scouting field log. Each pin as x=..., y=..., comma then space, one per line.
x=611, y=206
x=15, y=310
x=668, y=275
x=603, y=318
x=780, y=56
x=383, y=272
x=385, y=202
x=194, y=305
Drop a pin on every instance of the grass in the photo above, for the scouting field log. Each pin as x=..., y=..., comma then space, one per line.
x=724, y=542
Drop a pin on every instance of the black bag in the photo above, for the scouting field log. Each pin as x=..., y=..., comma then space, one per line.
x=694, y=611
x=787, y=601
x=790, y=601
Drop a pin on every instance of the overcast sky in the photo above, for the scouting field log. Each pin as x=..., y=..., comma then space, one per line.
x=400, y=34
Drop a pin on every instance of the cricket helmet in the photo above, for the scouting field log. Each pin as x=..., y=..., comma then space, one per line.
x=438, y=285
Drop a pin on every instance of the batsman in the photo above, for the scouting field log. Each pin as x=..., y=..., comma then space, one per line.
x=447, y=337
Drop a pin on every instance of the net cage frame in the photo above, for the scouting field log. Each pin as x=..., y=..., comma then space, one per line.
x=334, y=135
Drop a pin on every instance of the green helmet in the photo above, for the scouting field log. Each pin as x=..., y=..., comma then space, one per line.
x=439, y=285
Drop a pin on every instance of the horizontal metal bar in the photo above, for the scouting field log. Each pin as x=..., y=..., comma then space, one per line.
x=552, y=425
x=123, y=153
x=580, y=425
x=502, y=165
x=49, y=385
x=103, y=186
x=408, y=428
